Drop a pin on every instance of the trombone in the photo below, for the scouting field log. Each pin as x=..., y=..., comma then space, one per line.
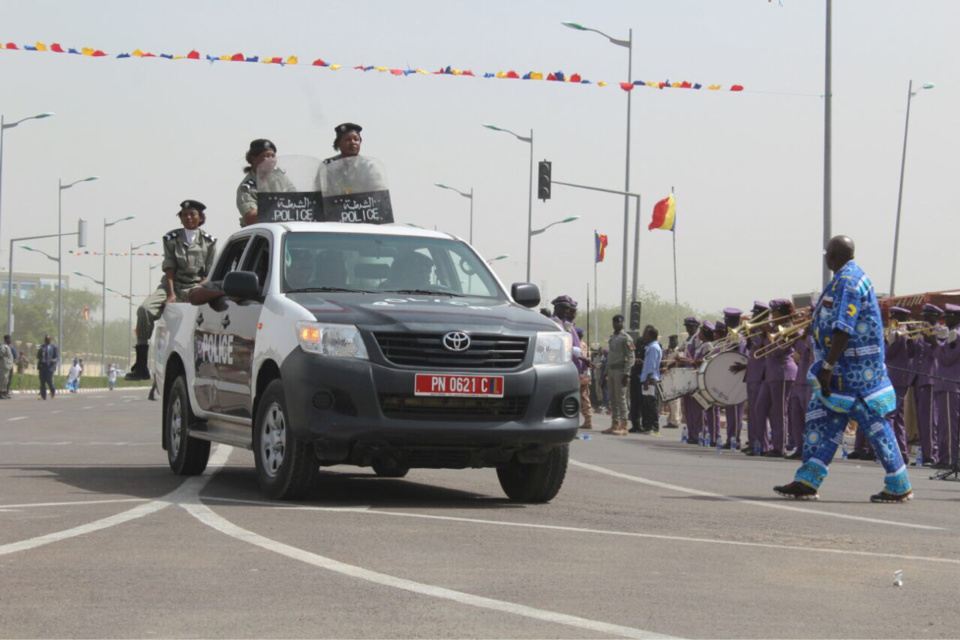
x=749, y=329
x=785, y=336
x=926, y=330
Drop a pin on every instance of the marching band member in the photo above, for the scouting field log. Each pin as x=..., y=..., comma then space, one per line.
x=780, y=372
x=756, y=372
x=711, y=416
x=947, y=388
x=850, y=381
x=800, y=393
x=926, y=366
x=692, y=413
x=734, y=413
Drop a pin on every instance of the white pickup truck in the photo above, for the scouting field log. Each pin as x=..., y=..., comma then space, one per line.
x=367, y=345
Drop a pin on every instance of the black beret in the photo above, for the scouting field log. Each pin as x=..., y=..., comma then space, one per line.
x=260, y=145
x=191, y=204
x=346, y=127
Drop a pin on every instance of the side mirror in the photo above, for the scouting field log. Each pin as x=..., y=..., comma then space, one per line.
x=244, y=285
x=525, y=294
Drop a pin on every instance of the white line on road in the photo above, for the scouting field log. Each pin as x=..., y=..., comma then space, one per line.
x=110, y=404
x=57, y=411
x=70, y=504
x=292, y=507
x=17, y=418
x=189, y=488
x=85, y=408
x=756, y=503
x=207, y=516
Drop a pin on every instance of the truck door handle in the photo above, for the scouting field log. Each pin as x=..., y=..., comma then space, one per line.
x=225, y=322
x=199, y=319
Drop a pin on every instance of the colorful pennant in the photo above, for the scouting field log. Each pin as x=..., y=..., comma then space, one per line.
x=555, y=76
x=114, y=254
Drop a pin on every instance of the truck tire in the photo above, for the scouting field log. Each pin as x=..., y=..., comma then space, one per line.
x=187, y=456
x=392, y=471
x=538, y=482
x=286, y=467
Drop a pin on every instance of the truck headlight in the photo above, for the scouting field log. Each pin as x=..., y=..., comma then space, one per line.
x=553, y=347
x=333, y=340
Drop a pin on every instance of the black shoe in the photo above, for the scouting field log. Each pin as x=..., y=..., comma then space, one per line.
x=726, y=447
x=928, y=463
x=891, y=498
x=773, y=454
x=672, y=426
x=906, y=459
x=855, y=455
x=693, y=442
x=634, y=430
x=869, y=457
x=794, y=456
x=747, y=451
x=797, y=491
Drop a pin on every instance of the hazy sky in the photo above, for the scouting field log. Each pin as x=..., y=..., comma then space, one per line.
x=747, y=167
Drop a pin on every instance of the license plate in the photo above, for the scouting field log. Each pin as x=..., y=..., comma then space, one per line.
x=447, y=385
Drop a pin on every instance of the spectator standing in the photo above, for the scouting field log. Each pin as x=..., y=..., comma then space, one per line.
x=112, y=375
x=6, y=367
x=73, y=376
x=48, y=357
x=649, y=377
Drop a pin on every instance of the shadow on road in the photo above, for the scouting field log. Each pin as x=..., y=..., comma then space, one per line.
x=134, y=480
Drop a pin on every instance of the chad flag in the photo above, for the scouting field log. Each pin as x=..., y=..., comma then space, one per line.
x=664, y=214
x=600, y=243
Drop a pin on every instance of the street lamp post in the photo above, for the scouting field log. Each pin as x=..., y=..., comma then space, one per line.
x=4, y=125
x=465, y=195
x=528, y=140
x=62, y=188
x=103, y=310
x=130, y=301
x=628, y=45
x=903, y=164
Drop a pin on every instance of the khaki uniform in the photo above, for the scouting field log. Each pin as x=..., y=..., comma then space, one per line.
x=6, y=367
x=191, y=263
x=251, y=185
x=619, y=363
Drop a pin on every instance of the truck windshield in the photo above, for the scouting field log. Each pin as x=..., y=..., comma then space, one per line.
x=384, y=263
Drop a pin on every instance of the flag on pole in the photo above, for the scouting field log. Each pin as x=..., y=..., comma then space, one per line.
x=600, y=242
x=664, y=215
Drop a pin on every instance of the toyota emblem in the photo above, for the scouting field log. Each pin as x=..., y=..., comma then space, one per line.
x=456, y=341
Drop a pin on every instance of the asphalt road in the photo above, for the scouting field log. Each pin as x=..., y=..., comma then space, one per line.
x=647, y=537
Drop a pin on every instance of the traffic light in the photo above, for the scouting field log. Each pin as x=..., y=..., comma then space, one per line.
x=543, y=184
x=635, y=315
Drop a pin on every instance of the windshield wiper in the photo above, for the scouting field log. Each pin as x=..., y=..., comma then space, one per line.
x=430, y=292
x=327, y=290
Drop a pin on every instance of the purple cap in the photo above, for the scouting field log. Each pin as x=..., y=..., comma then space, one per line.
x=732, y=312
x=720, y=325
x=565, y=301
x=778, y=303
x=707, y=325
x=932, y=308
x=900, y=310
x=760, y=305
x=951, y=308
x=690, y=320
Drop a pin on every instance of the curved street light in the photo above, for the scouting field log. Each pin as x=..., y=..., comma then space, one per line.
x=553, y=224
x=528, y=140
x=465, y=195
x=62, y=188
x=103, y=311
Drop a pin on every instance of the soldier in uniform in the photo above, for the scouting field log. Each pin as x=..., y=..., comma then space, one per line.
x=261, y=174
x=6, y=367
x=347, y=143
x=188, y=255
x=927, y=368
x=619, y=363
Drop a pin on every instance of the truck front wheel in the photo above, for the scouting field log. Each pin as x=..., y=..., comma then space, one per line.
x=187, y=456
x=286, y=467
x=539, y=482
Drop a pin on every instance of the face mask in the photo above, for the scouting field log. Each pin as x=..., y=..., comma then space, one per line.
x=267, y=166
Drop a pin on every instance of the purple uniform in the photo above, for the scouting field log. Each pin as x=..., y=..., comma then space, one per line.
x=901, y=365
x=927, y=367
x=757, y=431
x=691, y=409
x=800, y=392
x=948, y=394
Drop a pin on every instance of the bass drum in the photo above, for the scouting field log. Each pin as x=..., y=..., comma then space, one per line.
x=677, y=383
x=718, y=385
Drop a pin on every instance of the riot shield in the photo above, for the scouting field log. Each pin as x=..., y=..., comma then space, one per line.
x=288, y=192
x=355, y=190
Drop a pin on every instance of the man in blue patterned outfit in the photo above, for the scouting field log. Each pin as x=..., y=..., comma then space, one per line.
x=849, y=380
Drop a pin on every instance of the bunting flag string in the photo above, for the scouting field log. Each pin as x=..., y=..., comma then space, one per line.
x=556, y=76
x=114, y=254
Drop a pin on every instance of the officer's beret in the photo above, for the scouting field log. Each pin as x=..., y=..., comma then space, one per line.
x=900, y=310
x=564, y=301
x=932, y=309
x=780, y=303
x=720, y=325
x=260, y=145
x=691, y=320
x=707, y=326
x=191, y=204
x=952, y=309
x=760, y=305
x=346, y=127
x=732, y=312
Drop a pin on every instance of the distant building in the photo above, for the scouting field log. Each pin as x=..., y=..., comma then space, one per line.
x=24, y=284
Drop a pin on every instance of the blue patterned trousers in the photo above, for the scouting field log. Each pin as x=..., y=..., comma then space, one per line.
x=824, y=434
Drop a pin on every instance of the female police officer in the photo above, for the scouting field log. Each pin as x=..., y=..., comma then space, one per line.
x=188, y=255
x=261, y=174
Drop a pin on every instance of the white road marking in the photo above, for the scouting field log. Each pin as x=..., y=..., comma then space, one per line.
x=78, y=444
x=607, y=532
x=70, y=504
x=190, y=487
x=57, y=411
x=756, y=503
x=207, y=516
x=110, y=404
x=85, y=408
x=17, y=418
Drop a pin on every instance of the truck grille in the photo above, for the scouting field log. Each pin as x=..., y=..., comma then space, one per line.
x=410, y=407
x=427, y=350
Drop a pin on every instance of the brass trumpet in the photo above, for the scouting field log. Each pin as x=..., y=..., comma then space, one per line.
x=750, y=329
x=894, y=324
x=926, y=330
x=785, y=336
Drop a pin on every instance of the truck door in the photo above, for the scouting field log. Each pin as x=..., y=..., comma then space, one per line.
x=238, y=330
x=206, y=333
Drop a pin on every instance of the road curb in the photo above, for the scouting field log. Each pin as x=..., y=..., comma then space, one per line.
x=31, y=392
